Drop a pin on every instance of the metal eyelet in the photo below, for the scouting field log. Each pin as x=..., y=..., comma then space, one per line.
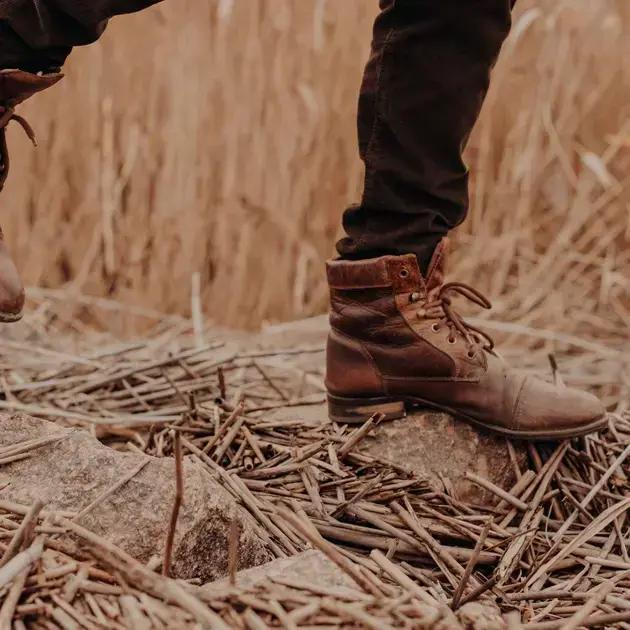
x=404, y=273
x=435, y=328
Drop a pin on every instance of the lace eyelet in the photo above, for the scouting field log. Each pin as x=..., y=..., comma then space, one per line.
x=470, y=354
x=404, y=273
x=452, y=340
x=435, y=328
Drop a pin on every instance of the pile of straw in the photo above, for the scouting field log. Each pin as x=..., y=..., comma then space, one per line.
x=552, y=553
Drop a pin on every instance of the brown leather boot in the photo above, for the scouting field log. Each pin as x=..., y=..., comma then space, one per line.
x=396, y=342
x=15, y=87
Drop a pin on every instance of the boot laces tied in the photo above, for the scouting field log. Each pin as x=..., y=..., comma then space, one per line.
x=7, y=114
x=439, y=307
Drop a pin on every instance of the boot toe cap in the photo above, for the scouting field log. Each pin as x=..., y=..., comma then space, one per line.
x=557, y=410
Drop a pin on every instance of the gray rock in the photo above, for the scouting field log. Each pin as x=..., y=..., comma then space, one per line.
x=70, y=473
x=310, y=568
x=443, y=449
x=481, y=616
x=314, y=571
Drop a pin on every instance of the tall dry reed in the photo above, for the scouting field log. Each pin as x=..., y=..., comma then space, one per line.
x=218, y=137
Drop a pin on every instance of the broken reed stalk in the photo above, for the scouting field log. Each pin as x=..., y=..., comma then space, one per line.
x=233, y=538
x=20, y=535
x=177, y=502
x=470, y=567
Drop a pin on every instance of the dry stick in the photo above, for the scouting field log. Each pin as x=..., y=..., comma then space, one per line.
x=253, y=442
x=502, y=494
x=470, y=567
x=569, y=521
x=29, y=445
x=19, y=536
x=179, y=494
x=593, y=602
x=357, y=435
x=12, y=598
x=517, y=489
x=240, y=491
x=403, y=580
x=107, y=493
x=222, y=388
x=20, y=562
x=433, y=545
x=540, y=485
x=329, y=550
x=229, y=438
x=517, y=547
x=340, y=509
x=479, y=591
x=224, y=427
x=602, y=521
x=233, y=551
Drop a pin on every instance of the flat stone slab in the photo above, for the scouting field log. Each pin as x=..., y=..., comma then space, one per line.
x=310, y=568
x=70, y=473
x=315, y=573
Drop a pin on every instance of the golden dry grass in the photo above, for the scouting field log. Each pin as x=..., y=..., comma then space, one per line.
x=218, y=137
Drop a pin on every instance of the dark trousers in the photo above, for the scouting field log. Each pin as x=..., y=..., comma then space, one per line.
x=423, y=87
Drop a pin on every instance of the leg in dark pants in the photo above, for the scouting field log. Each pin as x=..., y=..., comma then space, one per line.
x=422, y=91
x=38, y=35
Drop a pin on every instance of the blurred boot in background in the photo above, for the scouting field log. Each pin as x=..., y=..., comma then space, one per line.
x=36, y=36
x=15, y=87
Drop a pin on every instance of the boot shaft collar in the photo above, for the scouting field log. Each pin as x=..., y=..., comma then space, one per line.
x=399, y=272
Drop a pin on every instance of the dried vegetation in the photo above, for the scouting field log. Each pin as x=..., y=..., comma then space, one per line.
x=553, y=553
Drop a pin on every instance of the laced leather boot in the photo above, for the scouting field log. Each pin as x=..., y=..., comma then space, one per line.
x=397, y=343
x=15, y=86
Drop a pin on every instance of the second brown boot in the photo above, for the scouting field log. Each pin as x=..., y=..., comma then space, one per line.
x=15, y=87
x=396, y=343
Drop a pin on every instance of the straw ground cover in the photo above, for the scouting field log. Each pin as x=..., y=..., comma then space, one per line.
x=551, y=554
x=218, y=137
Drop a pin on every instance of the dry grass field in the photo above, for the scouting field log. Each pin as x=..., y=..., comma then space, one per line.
x=218, y=138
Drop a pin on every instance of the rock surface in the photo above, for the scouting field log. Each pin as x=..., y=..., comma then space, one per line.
x=443, y=449
x=311, y=568
x=313, y=572
x=72, y=472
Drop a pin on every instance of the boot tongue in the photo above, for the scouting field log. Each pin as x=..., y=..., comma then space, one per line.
x=436, y=273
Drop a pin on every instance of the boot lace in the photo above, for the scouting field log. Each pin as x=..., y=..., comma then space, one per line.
x=7, y=114
x=439, y=308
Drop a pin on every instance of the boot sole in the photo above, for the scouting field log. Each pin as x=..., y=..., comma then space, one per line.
x=8, y=318
x=359, y=410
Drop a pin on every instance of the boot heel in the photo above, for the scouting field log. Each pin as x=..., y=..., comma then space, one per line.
x=359, y=410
